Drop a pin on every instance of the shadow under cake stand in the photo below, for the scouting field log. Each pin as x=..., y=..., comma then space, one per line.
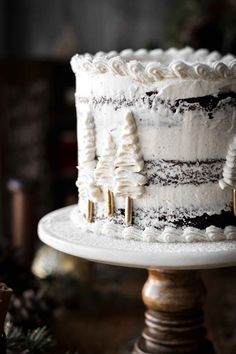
x=173, y=293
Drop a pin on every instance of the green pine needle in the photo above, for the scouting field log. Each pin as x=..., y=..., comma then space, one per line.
x=37, y=341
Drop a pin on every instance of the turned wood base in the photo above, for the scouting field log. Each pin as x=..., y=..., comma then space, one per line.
x=174, y=319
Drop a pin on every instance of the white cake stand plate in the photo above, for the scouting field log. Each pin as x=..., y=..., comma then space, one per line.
x=57, y=230
x=173, y=292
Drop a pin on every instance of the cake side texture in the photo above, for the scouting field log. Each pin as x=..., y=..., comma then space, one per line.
x=183, y=103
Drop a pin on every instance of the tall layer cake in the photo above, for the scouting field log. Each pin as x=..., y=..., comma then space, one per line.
x=156, y=144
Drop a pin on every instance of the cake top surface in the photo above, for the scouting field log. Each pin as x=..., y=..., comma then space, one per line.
x=155, y=65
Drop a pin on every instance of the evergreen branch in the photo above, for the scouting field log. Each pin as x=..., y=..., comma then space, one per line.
x=37, y=341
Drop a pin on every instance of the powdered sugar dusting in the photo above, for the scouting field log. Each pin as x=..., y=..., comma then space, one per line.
x=57, y=230
x=168, y=234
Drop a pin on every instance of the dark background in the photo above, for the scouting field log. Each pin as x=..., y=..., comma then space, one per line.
x=38, y=144
x=57, y=29
x=37, y=40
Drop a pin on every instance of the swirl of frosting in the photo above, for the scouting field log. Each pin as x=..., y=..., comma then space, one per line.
x=111, y=54
x=230, y=233
x=88, y=56
x=99, y=54
x=154, y=71
x=156, y=54
x=202, y=70
x=87, y=65
x=117, y=66
x=137, y=71
x=139, y=65
x=111, y=229
x=229, y=169
x=213, y=56
x=200, y=54
x=129, y=162
x=104, y=172
x=171, y=234
x=181, y=69
x=172, y=52
x=127, y=53
x=221, y=69
x=131, y=233
x=101, y=65
x=192, y=234
x=184, y=53
x=141, y=54
x=150, y=234
x=214, y=233
x=232, y=67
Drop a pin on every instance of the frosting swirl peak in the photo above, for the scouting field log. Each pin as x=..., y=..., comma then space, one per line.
x=129, y=162
x=104, y=172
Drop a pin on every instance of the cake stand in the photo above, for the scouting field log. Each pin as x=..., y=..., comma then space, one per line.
x=173, y=293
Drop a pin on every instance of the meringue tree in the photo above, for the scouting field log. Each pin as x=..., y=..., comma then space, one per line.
x=128, y=166
x=104, y=172
x=229, y=172
x=87, y=162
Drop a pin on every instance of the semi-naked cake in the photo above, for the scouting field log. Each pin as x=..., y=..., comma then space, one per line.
x=156, y=144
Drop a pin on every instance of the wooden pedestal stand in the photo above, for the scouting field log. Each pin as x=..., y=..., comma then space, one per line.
x=174, y=319
x=173, y=293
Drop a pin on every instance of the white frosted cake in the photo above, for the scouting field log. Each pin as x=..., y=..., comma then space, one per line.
x=156, y=144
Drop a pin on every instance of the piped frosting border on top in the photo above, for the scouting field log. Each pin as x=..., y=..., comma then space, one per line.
x=155, y=65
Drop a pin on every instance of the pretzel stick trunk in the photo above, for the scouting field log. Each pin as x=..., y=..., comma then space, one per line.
x=128, y=210
x=110, y=203
x=90, y=208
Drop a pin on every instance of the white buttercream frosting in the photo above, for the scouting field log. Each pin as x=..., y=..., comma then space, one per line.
x=229, y=170
x=150, y=234
x=104, y=172
x=150, y=66
x=88, y=188
x=129, y=162
x=86, y=183
x=87, y=146
x=173, y=144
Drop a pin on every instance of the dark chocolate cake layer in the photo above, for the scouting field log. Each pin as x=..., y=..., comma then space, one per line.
x=159, y=219
x=208, y=104
x=165, y=173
